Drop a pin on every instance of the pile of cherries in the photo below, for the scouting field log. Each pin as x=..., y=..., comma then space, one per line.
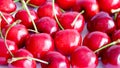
x=49, y=33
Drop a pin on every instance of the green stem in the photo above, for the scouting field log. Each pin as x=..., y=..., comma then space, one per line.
x=16, y=1
x=108, y=45
x=25, y=6
x=53, y=6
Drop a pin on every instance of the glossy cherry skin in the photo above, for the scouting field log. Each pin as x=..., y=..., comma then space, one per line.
x=111, y=56
x=47, y=10
x=67, y=40
x=83, y=57
x=23, y=63
x=4, y=54
x=107, y=6
x=17, y=33
x=25, y=19
x=66, y=4
x=90, y=7
x=95, y=40
x=7, y=6
x=47, y=25
x=116, y=35
x=10, y=19
x=37, y=2
x=117, y=21
x=55, y=60
x=39, y=44
x=66, y=19
x=102, y=22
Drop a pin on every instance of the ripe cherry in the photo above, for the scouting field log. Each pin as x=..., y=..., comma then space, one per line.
x=37, y=2
x=117, y=21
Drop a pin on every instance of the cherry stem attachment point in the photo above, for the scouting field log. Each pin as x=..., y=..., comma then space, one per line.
x=28, y=58
x=108, y=45
x=54, y=11
x=115, y=10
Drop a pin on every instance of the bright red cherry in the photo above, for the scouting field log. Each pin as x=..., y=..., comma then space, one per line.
x=7, y=6
x=83, y=57
x=4, y=54
x=10, y=19
x=102, y=22
x=56, y=60
x=67, y=40
x=47, y=10
x=23, y=63
x=17, y=33
x=107, y=6
x=25, y=19
x=39, y=44
x=118, y=21
x=111, y=57
x=66, y=19
x=66, y=4
x=90, y=7
x=37, y=2
x=95, y=40
x=47, y=25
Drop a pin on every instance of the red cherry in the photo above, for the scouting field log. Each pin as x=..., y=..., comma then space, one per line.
x=56, y=60
x=10, y=19
x=90, y=7
x=47, y=10
x=95, y=40
x=17, y=33
x=39, y=44
x=47, y=25
x=107, y=6
x=111, y=57
x=23, y=63
x=102, y=22
x=7, y=6
x=24, y=17
x=116, y=35
x=67, y=18
x=118, y=21
x=67, y=40
x=66, y=4
x=83, y=57
x=4, y=54
x=37, y=2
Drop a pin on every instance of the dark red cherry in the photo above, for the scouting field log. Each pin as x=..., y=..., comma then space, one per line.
x=67, y=40
x=116, y=35
x=117, y=21
x=95, y=40
x=83, y=57
x=55, y=60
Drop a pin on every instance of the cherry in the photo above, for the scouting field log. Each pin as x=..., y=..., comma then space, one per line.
x=37, y=2
x=23, y=63
x=24, y=17
x=83, y=57
x=117, y=21
x=4, y=53
x=7, y=6
x=67, y=40
x=90, y=6
x=108, y=6
x=17, y=33
x=102, y=22
x=47, y=25
x=95, y=40
x=9, y=18
x=39, y=44
x=66, y=4
x=56, y=60
x=116, y=35
x=67, y=21
x=110, y=58
x=47, y=10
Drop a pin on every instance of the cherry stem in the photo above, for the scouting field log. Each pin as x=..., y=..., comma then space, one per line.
x=16, y=22
x=16, y=1
x=28, y=58
x=115, y=10
x=74, y=21
x=54, y=11
x=32, y=30
x=25, y=6
x=1, y=14
x=108, y=45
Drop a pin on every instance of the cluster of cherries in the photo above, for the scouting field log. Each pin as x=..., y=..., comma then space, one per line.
x=49, y=33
